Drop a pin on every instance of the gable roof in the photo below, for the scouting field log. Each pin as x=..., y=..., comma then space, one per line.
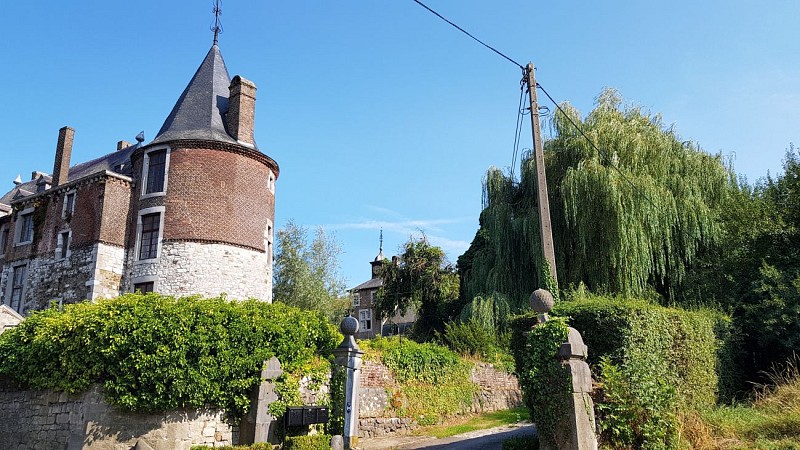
x=201, y=109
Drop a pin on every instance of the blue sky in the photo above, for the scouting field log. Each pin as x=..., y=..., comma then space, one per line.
x=382, y=116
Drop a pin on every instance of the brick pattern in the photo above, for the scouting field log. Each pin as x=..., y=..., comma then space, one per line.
x=217, y=196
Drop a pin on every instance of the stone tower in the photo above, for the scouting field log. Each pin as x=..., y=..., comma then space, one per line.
x=202, y=209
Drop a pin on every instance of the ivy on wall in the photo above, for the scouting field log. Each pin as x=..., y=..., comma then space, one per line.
x=152, y=352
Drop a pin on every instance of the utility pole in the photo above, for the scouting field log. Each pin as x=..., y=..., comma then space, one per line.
x=545, y=229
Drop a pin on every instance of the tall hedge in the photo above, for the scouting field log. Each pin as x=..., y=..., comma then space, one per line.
x=153, y=352
x=652, y=362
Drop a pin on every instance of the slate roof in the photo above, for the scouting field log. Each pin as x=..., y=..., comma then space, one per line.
x=198, y=114
x=201, y=109
x=371, y=284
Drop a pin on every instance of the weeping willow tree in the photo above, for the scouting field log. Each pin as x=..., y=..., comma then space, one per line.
x=629, y=218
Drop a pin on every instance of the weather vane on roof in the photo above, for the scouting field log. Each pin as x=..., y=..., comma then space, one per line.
x=217, y=28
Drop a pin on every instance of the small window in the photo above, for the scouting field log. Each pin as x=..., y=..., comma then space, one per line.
x=365, y=319
x=156, y=170
x=144, y=287
x=356, y=299
x=63, y=244
x=17, y=288
x=69, y=204
x=148, y=238
x=25, y=228
x=3, y=239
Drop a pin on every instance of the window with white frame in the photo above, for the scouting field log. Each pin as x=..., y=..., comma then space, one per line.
x=365, y=319
x=154, y=172
x=356, y=299
x=148, y=233
x=24, y=227
x=17, y=287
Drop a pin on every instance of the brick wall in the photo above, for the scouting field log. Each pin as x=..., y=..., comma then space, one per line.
x=217, y=196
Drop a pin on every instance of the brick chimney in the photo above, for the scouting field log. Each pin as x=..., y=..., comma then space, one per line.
x=242, y=110
x=122, y=145
x=63, y=155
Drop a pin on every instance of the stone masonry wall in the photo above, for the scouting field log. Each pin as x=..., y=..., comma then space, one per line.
x=34, y=420
x=498, y=390
x=188, y=268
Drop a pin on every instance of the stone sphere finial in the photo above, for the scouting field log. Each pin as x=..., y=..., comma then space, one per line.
x=349, y=326
x=542, y=301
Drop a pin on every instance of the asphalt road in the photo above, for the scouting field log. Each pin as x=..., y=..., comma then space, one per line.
x=489, y=439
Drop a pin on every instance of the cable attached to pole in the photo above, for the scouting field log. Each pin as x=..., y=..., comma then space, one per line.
x=468, y=34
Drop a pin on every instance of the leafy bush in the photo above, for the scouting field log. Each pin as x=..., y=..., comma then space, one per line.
x=544, y=381
x=474, y=339
x=434, y=381
x=651, y=362
x=315, y=442
x=153, y=352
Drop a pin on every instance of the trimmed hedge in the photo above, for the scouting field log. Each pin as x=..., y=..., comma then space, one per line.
x=153, y=352
x=651, y=362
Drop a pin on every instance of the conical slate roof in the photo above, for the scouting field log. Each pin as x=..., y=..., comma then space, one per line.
x=200, y=110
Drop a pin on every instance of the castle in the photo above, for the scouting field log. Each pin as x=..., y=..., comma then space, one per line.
x=190, y=212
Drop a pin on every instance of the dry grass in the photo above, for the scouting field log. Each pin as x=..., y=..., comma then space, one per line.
x=770, y=422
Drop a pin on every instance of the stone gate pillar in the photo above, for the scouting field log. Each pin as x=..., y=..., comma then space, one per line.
x=347, y=358
x=259, y=425
x=577, y=423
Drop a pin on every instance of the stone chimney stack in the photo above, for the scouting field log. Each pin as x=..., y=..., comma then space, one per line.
x=242, y=110
x=63, y=155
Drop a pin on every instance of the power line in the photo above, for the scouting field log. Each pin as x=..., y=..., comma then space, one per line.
x=468, y=34
x=602, y=153
x=516, y=137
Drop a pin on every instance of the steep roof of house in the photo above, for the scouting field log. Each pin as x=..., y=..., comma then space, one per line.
x=200, y=110
x=118, y=162
x=370, y=284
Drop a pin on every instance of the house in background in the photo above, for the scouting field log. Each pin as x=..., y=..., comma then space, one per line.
x=191, y=212
x=363, y=308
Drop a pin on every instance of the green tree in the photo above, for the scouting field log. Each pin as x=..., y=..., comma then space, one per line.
x=628, y=218
x=424, y=281
x=306, y=276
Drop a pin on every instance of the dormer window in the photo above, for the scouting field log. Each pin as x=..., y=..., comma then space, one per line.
x=154, y=172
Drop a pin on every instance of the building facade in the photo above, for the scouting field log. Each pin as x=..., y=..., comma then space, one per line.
x=191, y=212
x=363, y=299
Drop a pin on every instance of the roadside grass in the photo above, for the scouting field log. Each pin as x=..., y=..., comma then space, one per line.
x=474, y=423
x=770, y=422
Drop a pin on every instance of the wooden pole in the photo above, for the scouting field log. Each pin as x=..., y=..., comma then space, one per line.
x=545, y=229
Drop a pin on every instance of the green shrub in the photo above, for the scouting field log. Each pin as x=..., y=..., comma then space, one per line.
x=434, y=381
x=412, y=361
x=544, y=381
x=315, y=442
x=474, y=339
x=650, y=361
x=153, y=352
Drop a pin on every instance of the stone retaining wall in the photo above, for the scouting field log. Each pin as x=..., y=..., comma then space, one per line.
x=498, y=390
x=42, y=420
